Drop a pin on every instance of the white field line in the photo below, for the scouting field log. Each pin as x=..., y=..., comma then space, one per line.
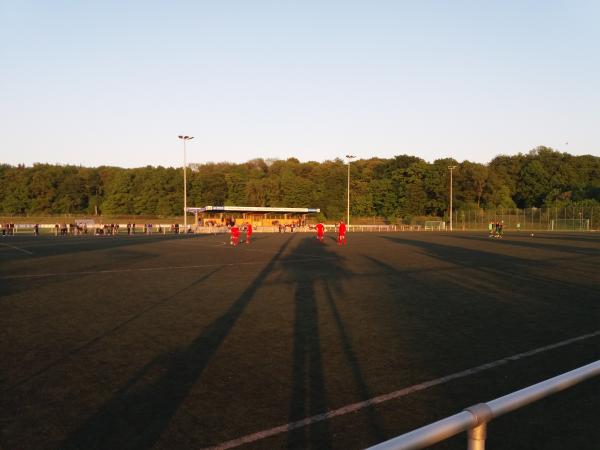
x=72, y=240
x=250, y=438
x=246, y=248
x=151, y=269
x=272, y=252
x=61, y=241
x=17, y=248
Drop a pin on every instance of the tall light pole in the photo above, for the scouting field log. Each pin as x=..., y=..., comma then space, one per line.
x=451, y=169
x=350, y=158
x=184, y=139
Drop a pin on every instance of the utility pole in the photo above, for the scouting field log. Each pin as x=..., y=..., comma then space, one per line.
x=350, y=158
x=451, y=169
x=184, y=139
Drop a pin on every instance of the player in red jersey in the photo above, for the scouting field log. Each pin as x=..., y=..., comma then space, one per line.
x=248, y=232
x=235, y=235
x=320, y=231
x=342, y=233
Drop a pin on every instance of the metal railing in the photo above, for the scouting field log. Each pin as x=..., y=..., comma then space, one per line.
x=475, y=418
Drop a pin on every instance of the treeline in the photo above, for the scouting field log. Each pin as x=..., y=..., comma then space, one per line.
x=401, y=187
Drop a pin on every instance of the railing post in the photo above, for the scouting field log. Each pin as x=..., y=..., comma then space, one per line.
x=477, y=437
x=482, y=414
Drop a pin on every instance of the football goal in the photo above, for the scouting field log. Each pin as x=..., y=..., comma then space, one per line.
x=570, y=225
x=435, y=225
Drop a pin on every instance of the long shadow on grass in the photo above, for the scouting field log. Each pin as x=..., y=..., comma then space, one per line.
x=451, y=325
x=584, y=236
x=16, y=285
x=309, y=393
x=62, y=245
x=511, y=271
x=111, y=331
x=550, y=307
x=122, y=252
x=138, y=413
x=547, y=244
x=372, y=416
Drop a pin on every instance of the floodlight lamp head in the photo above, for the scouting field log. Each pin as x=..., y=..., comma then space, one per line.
x=350, y=156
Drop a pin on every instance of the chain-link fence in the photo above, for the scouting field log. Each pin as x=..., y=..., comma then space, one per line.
x=571, y=218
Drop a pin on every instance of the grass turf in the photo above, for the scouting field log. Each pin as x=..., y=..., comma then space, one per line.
x=136, y=342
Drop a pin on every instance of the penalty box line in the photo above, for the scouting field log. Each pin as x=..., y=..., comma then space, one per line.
x=246, y=249
x=151, y=269
x=16, y=248
x=250, y=438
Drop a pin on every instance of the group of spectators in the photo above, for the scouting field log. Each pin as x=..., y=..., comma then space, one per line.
x=63, y=229
x=8, y=229
x=496, y=229
x=292, y=226
x=147, y=228
x=111, y=229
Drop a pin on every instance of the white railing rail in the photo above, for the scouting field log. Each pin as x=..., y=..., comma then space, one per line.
x=475, y=418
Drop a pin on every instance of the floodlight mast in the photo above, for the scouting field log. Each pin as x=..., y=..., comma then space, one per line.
x=451, y=168
x=350, y=158
x=184, y=139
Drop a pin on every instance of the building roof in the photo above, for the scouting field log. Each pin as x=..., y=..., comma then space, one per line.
x=258, y=209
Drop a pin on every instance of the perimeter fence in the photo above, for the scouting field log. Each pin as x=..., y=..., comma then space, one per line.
x=570, y=218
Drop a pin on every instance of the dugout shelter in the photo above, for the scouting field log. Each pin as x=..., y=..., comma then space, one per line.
x=258, y=216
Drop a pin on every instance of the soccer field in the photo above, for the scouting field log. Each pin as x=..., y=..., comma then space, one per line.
x=168, y=342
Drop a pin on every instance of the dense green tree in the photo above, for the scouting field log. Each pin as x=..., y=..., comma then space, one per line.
x=70, y=194
x=236, y=179
x=119, y=198
x=399, y=187
x=384, y=199
x=43, y=188
x=207, y=185
x=533, y=185
x=15, y=186
x=471, y=180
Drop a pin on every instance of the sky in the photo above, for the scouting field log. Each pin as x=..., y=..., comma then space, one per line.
x=115, y=82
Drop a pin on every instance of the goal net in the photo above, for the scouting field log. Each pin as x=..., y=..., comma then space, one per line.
x=436, y=225
x=570, y=225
